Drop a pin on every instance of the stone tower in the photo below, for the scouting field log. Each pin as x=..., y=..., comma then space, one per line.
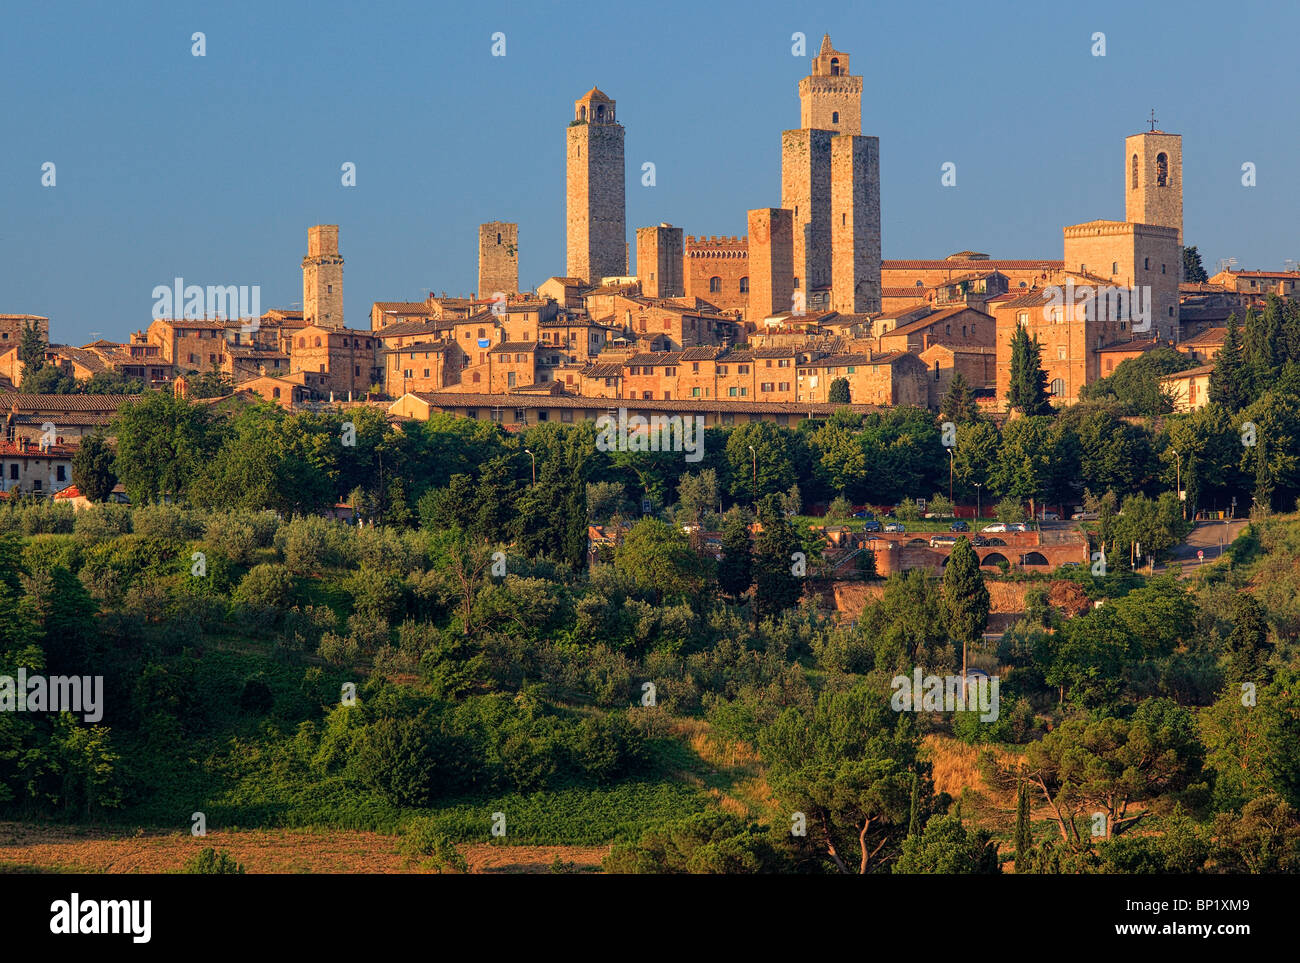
x=596, y=234
x=830, y=99
x=659, y=261
x=830, y=182
x=855, y=224
x=771, y=262
x=322, y=277
x=806, y=194
x=1153, y=180
x=498, y=259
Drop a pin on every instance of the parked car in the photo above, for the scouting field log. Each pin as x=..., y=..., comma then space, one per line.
x=995, y=527
x=979, y=541
x=895, y=527
x=937, y=540
x=863, y=514
x=1049, y=517
x=959, y=526
x=938, y=514
x=1017, y=527
x=1083, y=516
x=871, y=526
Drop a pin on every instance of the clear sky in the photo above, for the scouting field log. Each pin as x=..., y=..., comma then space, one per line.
x=212, y=168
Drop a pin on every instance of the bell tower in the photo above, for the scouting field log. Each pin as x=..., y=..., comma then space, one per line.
x=1153, y=179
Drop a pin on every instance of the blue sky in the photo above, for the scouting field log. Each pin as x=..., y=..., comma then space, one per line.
x=213, y=168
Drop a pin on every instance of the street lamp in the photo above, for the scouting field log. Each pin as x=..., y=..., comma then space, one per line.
x=1178, y=482
x=950, y=463
x=754, y=459
x=529, y=453
x=978, y=486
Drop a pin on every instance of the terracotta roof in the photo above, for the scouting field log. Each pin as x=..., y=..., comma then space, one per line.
x=992, y=264
x=1265, y=274
x=403, y=307
x=20, y=402
x=1189, y=373
x=1208, y=336
x=515, y=346
x=456, y=399
x=603, y=371
x=838, y=361
x=431, y=346
x=1127, y=346
x=655, y=359
x=33, y=450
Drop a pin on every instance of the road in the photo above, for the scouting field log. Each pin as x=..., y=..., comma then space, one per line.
x=1209, y=537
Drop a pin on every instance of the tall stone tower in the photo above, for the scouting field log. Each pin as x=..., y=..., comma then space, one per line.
x=498, y=259
x=596, y=234
x=659, y=261
x=1153, y=180
x=855, y=224
x=771, y=262
x=830, y=99
x=830, y=182
x=806, y=194
x=322, y=277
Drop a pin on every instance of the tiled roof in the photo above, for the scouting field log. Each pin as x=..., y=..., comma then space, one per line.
x=403, y=307
x=655, y=358
x=993, y=265
x=1208, y=336
x=29, y=402
x=1189, y=373
x=1127, y=346
x=603, y=371
x=431, y=346
x=33, y=450
x=515, y=346
x=456, y=399
x=838, y=361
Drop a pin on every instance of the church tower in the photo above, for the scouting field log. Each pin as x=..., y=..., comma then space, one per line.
x=1153, y=179
x=322, y=277
x=596, y=230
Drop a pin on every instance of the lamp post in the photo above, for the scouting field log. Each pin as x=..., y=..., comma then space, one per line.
x=529, y=453
x=978, y=486
x=754, y=459
x=1178, y=482
x=950, y=463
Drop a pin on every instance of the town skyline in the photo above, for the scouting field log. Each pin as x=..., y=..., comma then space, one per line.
x=389, y=257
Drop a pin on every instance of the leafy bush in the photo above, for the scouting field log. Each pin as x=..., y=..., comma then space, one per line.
x=212, y=862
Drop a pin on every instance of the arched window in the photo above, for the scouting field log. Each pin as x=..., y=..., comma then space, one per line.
x=744, y=285
x=920, y=284
x=582, y=113
x=476, y=377
x=302, y=342
x=275, y=392
x=1058, y=386
x=318, y=342
x=498, y=237
x=600, y=113
x=835, y=116
x=835, y=66
x=715, y=285
x=1162, y=170
x=1135, y=171
x=796, y=284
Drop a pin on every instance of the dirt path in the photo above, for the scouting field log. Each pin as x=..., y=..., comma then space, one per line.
x=76, y=849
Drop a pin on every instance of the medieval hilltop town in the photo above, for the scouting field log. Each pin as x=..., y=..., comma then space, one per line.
x=730, y=329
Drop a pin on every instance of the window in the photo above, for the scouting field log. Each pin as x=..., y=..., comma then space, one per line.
x=947, y=329
x=317, y=343
x=1060, y=352
x=519, y=416
x=1058, y=387
x=426, y=372
x=715, y=284
x=476, y=379
x=744, y=285
x=731, y=393
x=851, y=369
x=722, y=369
x=543, y=415
x=695, y=367
x=567, y=415
x=765, y=386
x=1135, y=171
x=496, y=415
x=835, y=66
x=742, y=369
x=1022, y=318
x=668, y=396
x=796, y=284
x=647, y=396
x=275, y=392
x=1146, y=264
x=783, y=386
x=1162, y=269
x=13, y=470
x=408, y=373
x=936, y=369
x=1162, y=170
x=1114, y=267
x=769, y=363
x=357, y=372
x=695, y=392
x=744, y=392
x=835, y=116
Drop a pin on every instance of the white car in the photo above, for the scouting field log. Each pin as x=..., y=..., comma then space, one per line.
x=1017, y=527
x=1049, y=517
x=995, y=527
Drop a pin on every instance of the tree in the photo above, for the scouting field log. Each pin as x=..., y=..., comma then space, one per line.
x=1010, y=509
x=947, y=847
x=735, y=571
x=775, y=453
x=838, y=394
x=1024, y=828
x=959, y=405
x=966, y=597
x=658, y=556
x=776, y=586
x=1193, y=269
x=163, y=443
x=1230, y=380
x=847, y=764
x=1028, y=388
x=92, y=468
x=31, y=349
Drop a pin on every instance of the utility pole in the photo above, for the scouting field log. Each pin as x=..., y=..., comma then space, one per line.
x=950, y=463
x=754, y=459
x=1178, y=481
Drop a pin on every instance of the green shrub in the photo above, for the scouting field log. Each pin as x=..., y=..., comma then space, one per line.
x=211, y=862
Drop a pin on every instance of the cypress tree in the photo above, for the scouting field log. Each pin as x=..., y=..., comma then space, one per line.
x=1028, y=388
x=1228, y=385
x=736, y=570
